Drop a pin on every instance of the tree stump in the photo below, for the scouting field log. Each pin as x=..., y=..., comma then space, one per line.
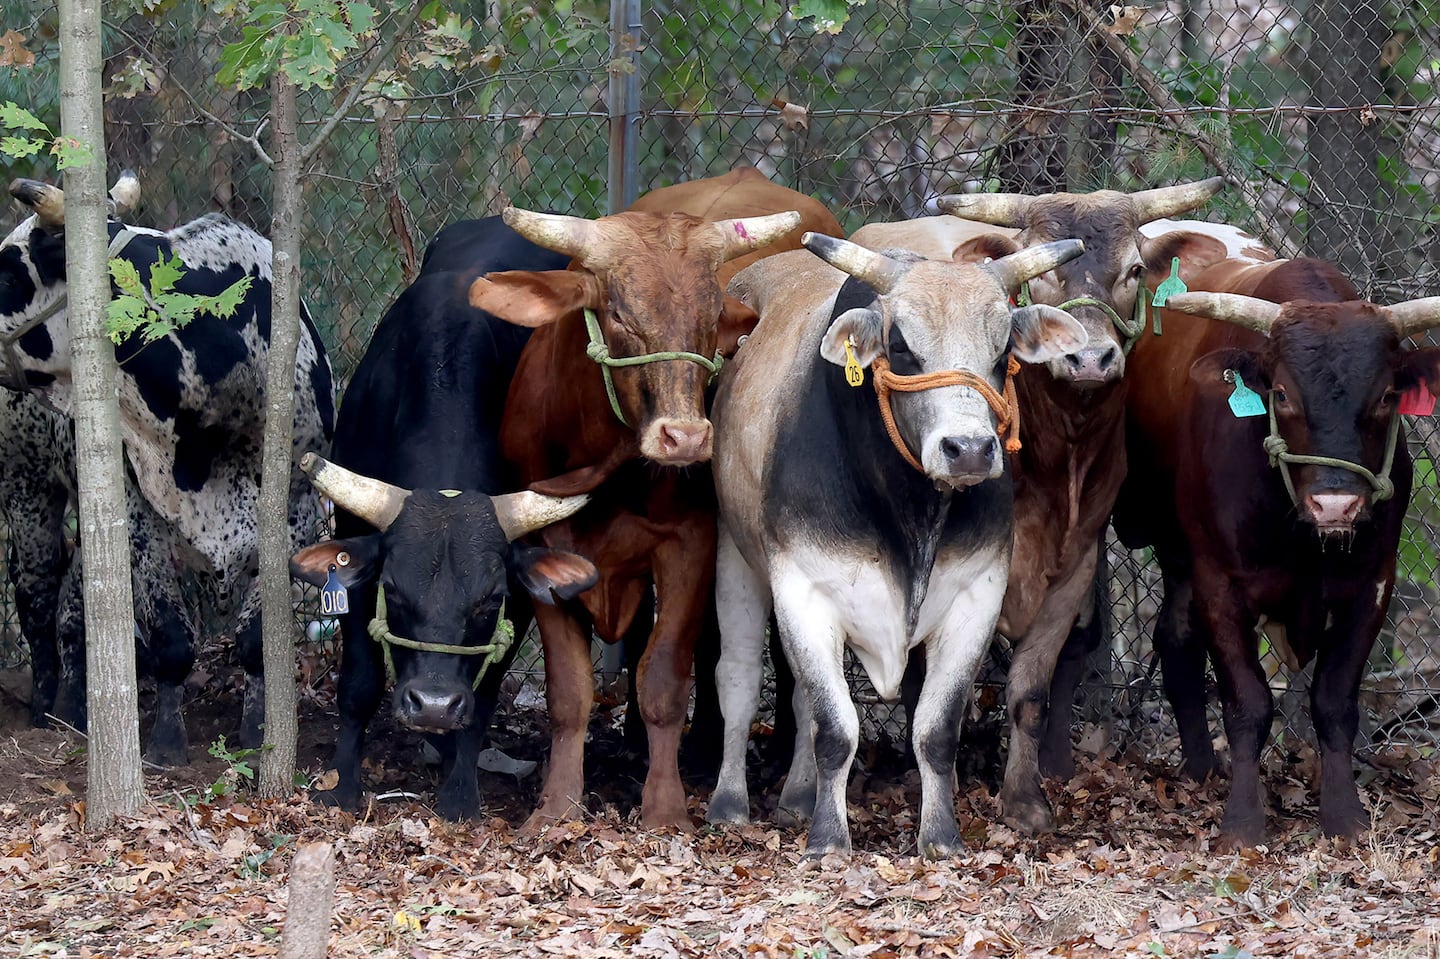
x=312, y=898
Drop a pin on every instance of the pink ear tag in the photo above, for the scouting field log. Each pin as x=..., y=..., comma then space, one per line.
x=1417, y=401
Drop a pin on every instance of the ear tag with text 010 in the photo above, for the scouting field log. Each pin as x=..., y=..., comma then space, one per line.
x=1417, y=401
x=854, y=372
x=334, y=598
x=1244, y=401
x=1172, y=285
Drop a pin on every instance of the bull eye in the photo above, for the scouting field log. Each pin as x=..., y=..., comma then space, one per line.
x=1279, y=395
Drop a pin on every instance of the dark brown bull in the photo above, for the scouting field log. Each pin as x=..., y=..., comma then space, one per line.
x=1072, y=455
x=654, y=278
x=1247, y=529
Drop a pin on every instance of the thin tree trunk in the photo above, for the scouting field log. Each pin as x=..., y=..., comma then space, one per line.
x=1032, y=158
x=277, y=764
x=115, y=786
x=311, y=893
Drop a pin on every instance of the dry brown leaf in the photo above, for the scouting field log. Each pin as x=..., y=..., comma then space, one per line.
x=12, y=50
x=1126, y=19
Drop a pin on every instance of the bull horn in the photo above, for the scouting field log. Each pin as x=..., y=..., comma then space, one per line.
x=876, y=269
x=563, y=234
x=740, y=236
x=1168, y=200
x=1415, y=316
x=997, y=209
x=374, y=501
x=1250, y=312
x=47, y=201
x=527, y=511
x=1030, y=262
x=125, y=194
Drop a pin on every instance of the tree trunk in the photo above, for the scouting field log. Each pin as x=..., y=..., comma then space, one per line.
x=1032, y=157
x=277, y=764
x=115, y=786
x=1344, y=147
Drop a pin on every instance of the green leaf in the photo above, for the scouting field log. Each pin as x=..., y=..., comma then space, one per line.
x=165, y=273
x=126, y=277
x=830, y=15
x=21, y=147
x=225, y=303
x=311, y=63
x=16, y=117
x=70, y=152
x=244, y=62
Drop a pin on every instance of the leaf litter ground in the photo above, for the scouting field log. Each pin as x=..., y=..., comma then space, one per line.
x=1130, y=871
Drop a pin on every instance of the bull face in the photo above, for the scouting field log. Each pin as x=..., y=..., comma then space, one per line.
x=1332, y=374
x=650, y=280
x=932, y=316
x=444, y=561
x=1110, y=271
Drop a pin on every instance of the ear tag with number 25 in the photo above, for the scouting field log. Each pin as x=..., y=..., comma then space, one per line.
x=854, y=372
x=1244, y=401
x=334, y=598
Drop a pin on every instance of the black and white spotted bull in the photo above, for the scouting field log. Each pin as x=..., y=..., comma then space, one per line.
x=192, y=415
x=874, y=516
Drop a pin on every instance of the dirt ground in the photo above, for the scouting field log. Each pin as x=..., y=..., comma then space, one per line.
x=1130, y=871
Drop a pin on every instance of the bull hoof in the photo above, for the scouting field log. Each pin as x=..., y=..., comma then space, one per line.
x=821, y=843
x=167, y=750
x=1343, y=819
x=340, y=797
x=728, y=808
x=1059, y=764
x=1028, y=815
x=1237, y=833
x=791, y=817
x=942, y=844
x=458, y=808
x=1199, y=770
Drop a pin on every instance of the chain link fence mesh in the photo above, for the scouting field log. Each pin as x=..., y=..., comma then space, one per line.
x=1325, y=115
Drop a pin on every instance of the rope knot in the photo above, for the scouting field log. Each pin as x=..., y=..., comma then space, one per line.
x=597, y=351
x=1276, y=446
x=1384, y=489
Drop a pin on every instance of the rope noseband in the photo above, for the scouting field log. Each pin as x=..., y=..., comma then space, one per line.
x=598, y=351
x=1005, y=407
x=493, y=651
x=1381, y=486
x=1130, y=330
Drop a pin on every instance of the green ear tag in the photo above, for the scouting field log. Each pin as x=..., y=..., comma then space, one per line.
x=1172, y=285
x=1244, y=401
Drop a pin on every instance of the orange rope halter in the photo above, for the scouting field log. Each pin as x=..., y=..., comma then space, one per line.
x=1006, y=407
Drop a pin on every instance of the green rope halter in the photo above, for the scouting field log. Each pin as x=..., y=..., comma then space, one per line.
x=600, y=353
x=494, y=651
x=1382, y=487
x=1131, y=330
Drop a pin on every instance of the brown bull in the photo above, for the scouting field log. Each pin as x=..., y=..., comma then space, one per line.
x=1289, y=517
x=653, y=278
x=1072, y=455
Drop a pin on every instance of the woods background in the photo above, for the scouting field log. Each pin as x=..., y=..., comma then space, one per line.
x=1325, y=114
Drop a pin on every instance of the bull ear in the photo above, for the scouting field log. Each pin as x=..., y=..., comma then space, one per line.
x=736, y=320
x=1041, y=333
x=535, y=299
x=356, y=561
x=861, y=325
x=1195, y=250
x=988, y=246
x=549, y=574
x=1419, y=366
x=1208, y=372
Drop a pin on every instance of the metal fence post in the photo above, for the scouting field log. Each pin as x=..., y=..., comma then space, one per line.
x=625, y=31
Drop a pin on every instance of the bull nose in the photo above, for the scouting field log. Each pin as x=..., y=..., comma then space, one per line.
x=1334, y=510
x=688, y=442
x=423, y=707
x=969, y=455
x=1099, y=364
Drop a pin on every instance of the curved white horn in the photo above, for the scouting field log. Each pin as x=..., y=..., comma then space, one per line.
x=563, y=234
x=743, y=234
x=527, y=511
x=374, y=501
x=125, y=194
x=880, y=271
x=1168, y=200
x=1030, y=262
x=998, y=209
x=1250, y=312
x=47, y=201
x=1415, y=316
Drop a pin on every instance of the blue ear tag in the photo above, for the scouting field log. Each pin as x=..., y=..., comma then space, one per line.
x=334, y=598
x=1172, y=285
x=1244, y=401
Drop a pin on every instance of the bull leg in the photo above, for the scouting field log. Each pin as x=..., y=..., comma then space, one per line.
x=1057, y=753
x=815, y=643
x=357, y=696
x=458, y=798
x=37, y=568
x=742, y=601
x=684, y=580
x=172, y=656
x=1182, y=668
x=781, y=747
x=250, y=649
x=953, y=657
x=1247, y=704
x=70, y=702
x=797, y=796
x=1334, y=694
x=1022, y=800
x=705, y=740
x=636, y=641
x=570, y=695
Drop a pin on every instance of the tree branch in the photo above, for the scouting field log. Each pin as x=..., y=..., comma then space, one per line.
x=381, y=54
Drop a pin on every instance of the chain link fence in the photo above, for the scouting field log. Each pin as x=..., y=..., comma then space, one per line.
x=1325, y=115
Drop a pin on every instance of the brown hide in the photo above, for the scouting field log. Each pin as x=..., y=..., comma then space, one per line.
x=645, y=522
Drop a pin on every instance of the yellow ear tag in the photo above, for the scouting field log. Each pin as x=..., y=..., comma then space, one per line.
x=854, y=372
